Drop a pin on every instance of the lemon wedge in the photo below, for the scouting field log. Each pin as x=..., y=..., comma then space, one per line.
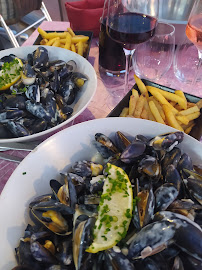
x=10, y=73
x=114, y=210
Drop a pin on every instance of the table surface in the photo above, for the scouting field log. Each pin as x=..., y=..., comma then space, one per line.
x=103, y=97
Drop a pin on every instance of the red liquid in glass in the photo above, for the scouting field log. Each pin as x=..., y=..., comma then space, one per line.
x=131, y=28
x=111, y=54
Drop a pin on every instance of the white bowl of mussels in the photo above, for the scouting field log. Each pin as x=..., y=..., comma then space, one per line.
x=118, y=193
x=42, y=89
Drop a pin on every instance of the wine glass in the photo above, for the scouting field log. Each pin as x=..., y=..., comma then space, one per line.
x=131, y=22
x=153, y=58
x=194, y=32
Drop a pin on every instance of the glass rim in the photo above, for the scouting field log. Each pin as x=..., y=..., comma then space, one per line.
x=168, y=24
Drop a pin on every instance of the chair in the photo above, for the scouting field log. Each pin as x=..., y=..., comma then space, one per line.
x=12, y=11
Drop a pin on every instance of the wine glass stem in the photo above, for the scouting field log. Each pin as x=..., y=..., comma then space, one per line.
x=128, y=54
x=198, y=67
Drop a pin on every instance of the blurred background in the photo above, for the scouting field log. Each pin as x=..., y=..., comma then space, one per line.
x=175, y=12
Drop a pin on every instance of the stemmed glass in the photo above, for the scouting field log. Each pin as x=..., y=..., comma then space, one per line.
x=153, y=58
x=194, y=32
x=131, y=22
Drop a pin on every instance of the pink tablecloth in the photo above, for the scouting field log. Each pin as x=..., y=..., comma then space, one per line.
x=103, y=101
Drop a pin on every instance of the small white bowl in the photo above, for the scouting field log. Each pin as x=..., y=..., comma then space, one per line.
x=83, y=98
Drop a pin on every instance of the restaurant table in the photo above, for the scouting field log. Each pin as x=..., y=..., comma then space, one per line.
x=103, y=101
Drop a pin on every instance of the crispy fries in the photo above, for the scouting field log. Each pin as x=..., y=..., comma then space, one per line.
x=170, y=118
x=67, y=40
x=139, y=107
x=163, y=107
x=141, y=86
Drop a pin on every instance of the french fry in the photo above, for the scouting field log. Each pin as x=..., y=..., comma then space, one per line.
x=69, y=29
x=190, y=104
x=43, y=41
x=188, y=129
x=78, y=39
x=51, y=41
x=141, y=86
x=139, y=107
x=173, y=97
x=56, y=43
x=73, y=49
x=42, y=32
x=68, y=41
x=190, y=110
x=159, y=107
x=183, y=119
x=150, y=115
x=124, y=112
x=133, y=101
x=193, y=116
x=170, y=118
x=79, y=46
x=55, y=34
x=199, y=104
x=181, y=94
x=144, y=114
x=155, y=112
x=132, y=104
x=160, y=98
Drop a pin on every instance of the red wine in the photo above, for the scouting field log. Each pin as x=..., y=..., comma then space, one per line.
x=194, y=31
x=111, y=54
x=131, y=28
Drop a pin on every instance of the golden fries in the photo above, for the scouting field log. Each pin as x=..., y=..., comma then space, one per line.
x=139, y=107
x=190, y=110
x=170, y=118
x=141, y=86
x=155, y=112
x=164, y=107
x=124, y=112
x=67, y=40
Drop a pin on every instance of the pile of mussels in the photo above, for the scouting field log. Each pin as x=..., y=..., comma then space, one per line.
x=41, y=98
x=165, y=230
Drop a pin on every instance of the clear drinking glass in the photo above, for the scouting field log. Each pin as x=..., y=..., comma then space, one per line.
x=154, y=58
x=186, y=62
x=131, y=22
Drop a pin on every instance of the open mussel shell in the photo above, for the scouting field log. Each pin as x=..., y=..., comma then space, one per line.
x=54, y=215
x=144, y=207
x=121, y=140
x=194, y=184
x=167, y=141
x=82, y=239
x=105, y=146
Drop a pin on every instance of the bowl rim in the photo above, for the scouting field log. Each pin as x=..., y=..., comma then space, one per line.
x=46, y=132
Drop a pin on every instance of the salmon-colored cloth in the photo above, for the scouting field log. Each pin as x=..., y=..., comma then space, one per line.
x=85, y=15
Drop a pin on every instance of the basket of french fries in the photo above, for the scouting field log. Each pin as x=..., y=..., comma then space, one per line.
x=151, y=101
x=76, y=41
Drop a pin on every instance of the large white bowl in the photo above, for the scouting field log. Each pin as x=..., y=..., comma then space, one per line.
x=84, y=96
x=55, y=155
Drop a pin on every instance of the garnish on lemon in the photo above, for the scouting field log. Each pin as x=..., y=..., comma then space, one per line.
x=114, y=210
x=10, y=73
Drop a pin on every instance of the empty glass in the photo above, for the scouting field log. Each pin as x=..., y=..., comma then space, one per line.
x=154, y=57
x=186, y=61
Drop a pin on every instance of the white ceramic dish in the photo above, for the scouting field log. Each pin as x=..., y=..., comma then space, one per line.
x=55, y=155
x=84, y=96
